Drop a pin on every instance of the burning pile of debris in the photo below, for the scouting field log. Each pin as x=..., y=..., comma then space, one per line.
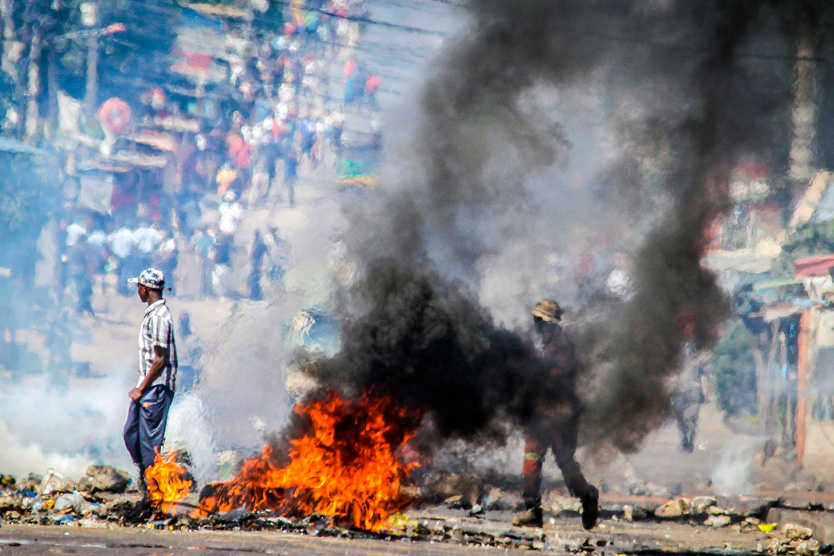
x=105, y=498
x=450, y=507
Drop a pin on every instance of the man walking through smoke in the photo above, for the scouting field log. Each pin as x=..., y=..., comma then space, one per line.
x=147, y=416
x=557, y=425
x=688, y=394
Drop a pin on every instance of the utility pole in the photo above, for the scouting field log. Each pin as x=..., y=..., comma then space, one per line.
x=249, y=19
x=804, y=113
x=12, y=52
x=11, y=49
x=34, y=88
x=52, y=85
x=802, y=169
x=52, y=76
x=89, y=17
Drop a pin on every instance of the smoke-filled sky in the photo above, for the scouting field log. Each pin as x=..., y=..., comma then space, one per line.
x=549, y=130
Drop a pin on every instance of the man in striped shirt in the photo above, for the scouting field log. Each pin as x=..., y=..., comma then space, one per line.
x=147, y=417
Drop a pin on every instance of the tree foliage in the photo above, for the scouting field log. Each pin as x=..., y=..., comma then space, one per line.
x=129, y=61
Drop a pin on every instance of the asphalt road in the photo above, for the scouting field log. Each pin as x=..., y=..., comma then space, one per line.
x=563, y=535
x=35, y=540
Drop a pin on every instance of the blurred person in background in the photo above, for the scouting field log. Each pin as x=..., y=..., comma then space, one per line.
x=79, y=263
x=191, y=351
x=166, y=256
x=122, y=244
x=204, y=248
x=256, y=258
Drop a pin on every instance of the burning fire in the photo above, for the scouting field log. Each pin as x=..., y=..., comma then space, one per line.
x=345, y=466
x=167, y=482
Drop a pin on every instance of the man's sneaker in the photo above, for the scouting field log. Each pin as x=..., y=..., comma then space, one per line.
x=530, y=518
x=590, y=507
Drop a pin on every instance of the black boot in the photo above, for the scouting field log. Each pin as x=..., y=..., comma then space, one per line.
x=590, y=507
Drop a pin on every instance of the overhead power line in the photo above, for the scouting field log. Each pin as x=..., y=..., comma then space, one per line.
x=689, y=48
x=606, y=36
x=357, y=19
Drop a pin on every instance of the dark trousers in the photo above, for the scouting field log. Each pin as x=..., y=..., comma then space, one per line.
x=145, y=427
x=558, y=432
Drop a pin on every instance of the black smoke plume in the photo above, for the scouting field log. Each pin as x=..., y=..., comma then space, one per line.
x=430, y=345
x=691, y=87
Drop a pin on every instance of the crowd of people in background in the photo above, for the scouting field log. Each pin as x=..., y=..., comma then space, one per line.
x=275, y=120
x=287, y=117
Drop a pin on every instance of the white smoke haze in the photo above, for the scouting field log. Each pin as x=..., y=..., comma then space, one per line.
x=731, y=474
x=188, y=429
x=43, y=428
x=242, y=376
x=245, y=369
x=20, y=460
x=535, y=241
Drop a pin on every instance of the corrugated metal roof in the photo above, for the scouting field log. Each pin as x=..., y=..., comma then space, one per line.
x=813, y=266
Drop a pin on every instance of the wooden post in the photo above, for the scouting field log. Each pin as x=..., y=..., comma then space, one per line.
x=52, y=78
x=34, y=89
x=7, y=8
x=769, y=384
x=52, y=85
x=803, y=344
x=92, y=74
x=89, y=17
x=804, y=113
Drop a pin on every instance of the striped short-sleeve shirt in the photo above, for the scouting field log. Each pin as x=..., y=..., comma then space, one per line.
x=158, y=330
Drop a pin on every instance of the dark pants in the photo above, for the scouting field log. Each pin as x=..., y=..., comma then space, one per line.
x=145, y=427
x=686, y=403
x=686, y=417
x=559, y=433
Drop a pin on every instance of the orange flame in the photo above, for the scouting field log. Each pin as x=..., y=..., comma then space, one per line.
x=166, y=483
x=345, y=467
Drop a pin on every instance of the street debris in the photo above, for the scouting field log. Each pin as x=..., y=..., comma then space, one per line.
x=456, y=508
x=448, y=508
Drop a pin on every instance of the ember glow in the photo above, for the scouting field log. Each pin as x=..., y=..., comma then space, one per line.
x=346, y=465
x=168, y=483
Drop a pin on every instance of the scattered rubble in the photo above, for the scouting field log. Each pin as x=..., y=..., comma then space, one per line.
x=718, y=521
x=454, y=490
x=701, y=504
x=673, y=508
x=496, y=499
x=707, y=510
x=103, y=478
x=793, y=531
x=104, y=499
x=794, y=539
x=556, y=503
